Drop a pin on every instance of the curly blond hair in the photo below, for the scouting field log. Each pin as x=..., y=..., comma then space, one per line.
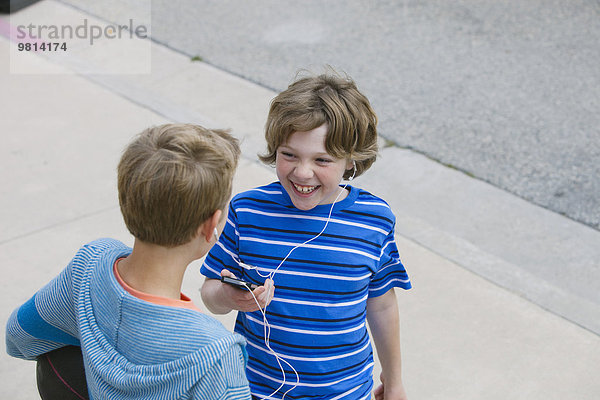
x=331, y=99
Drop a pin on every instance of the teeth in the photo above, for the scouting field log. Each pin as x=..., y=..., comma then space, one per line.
x=304, y=189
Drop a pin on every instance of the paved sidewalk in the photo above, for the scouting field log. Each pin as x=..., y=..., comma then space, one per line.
x=463, y=336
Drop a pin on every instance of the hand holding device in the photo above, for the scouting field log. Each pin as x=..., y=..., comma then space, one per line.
x=238, y=283
x=244, y=296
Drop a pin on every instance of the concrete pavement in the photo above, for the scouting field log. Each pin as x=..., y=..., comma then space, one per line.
x=507, y=91
x=465, y=335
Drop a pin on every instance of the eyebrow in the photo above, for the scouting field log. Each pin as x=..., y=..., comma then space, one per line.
x=286, y=147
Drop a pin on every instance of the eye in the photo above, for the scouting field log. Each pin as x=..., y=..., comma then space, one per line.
x=324, y=160
x=286, y=154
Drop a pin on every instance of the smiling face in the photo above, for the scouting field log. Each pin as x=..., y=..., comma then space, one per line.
x=308, y=173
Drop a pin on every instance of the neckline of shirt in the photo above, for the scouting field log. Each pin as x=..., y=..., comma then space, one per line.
x=183, y=302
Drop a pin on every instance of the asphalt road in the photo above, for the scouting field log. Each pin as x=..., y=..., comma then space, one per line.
x=505, y=91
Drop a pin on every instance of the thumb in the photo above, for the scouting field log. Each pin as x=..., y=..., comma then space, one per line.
x=227, y=273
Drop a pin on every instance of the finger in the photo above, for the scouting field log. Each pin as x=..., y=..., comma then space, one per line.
x=261, y=298
x=228, y=273
x=267, y=294
x=378, y=393
x=270, y=285
x=257, y=292
x=245, y=302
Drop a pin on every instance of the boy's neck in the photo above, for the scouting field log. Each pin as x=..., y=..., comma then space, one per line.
x=156, y=270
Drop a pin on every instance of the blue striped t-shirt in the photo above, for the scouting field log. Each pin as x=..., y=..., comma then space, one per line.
x=318, y=315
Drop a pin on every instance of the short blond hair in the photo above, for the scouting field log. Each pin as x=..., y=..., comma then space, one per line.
x=330, y=99
x=172, y=178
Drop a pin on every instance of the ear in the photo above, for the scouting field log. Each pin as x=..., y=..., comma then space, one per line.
x=350, y=163
x=208, y=227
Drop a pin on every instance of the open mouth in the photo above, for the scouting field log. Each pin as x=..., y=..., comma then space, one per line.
x=304, y=189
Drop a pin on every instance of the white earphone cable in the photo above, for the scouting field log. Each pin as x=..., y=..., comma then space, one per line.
x=271, y=275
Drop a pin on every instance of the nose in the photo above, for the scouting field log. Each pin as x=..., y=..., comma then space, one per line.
x=303, y=171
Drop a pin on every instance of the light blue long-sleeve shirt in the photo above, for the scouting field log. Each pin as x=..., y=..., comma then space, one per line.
x=132, y=349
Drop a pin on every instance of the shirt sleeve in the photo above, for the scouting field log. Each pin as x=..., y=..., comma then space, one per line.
x=391, y=272
x=45, y=322
x=226, y=379
x=225, y=253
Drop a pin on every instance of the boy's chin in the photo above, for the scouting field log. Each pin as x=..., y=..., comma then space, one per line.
x=303, y=205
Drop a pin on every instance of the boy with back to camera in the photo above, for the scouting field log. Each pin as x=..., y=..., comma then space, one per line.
x=323, y=255
x=141, y=338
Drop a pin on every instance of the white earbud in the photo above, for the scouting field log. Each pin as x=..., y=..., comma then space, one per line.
x=353, y=170
x=216, y=234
